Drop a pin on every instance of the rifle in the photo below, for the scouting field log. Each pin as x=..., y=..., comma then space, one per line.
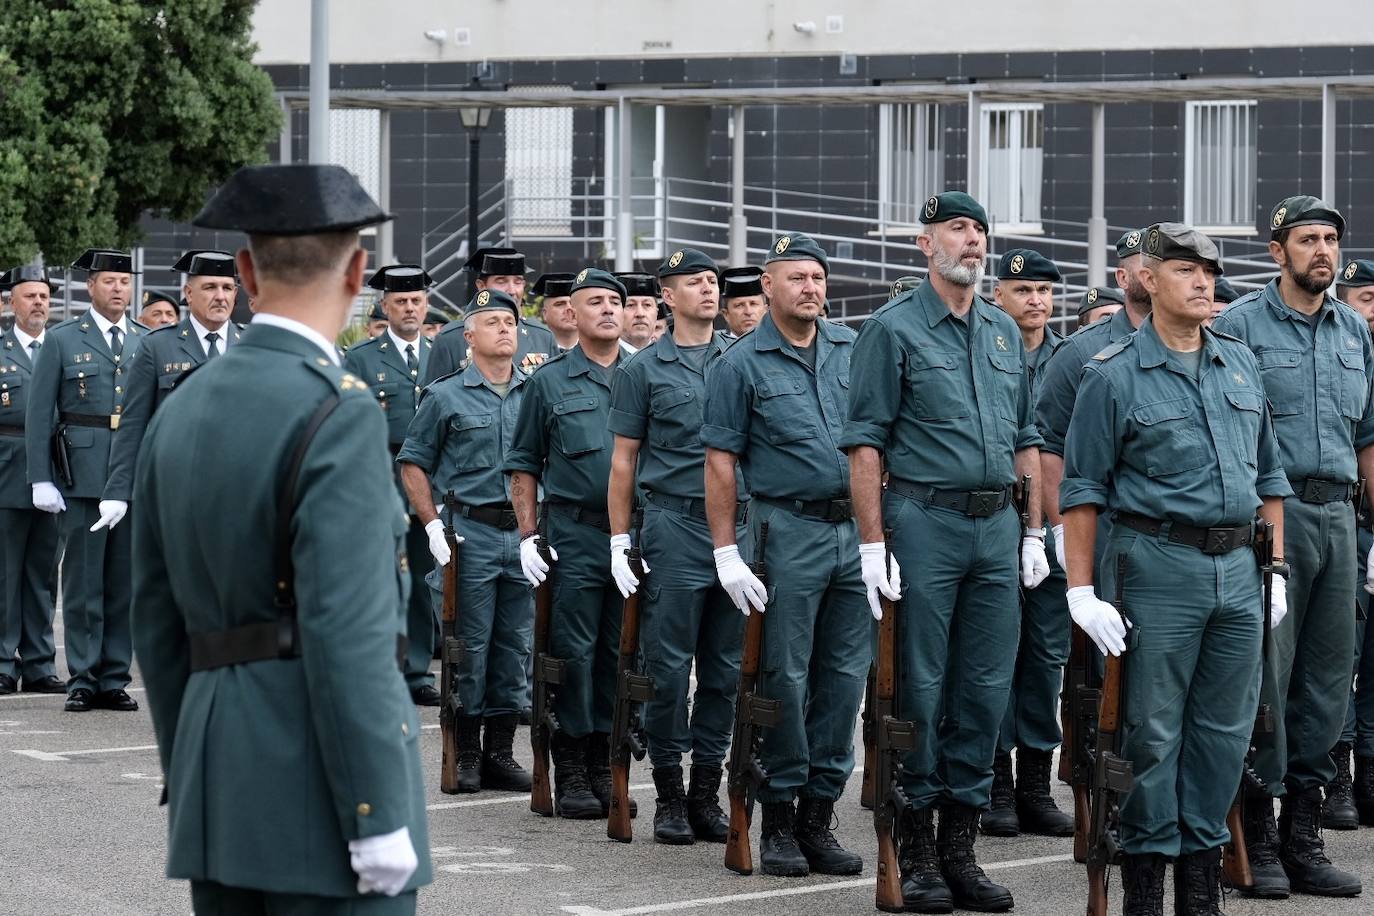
x=1111, y=775
x=1235, y=860
x=631, y=689
x=548, y=674
x=868, y=734
x=1078, y=713
x=893, y=737
x=753, y=713
x=452, y=653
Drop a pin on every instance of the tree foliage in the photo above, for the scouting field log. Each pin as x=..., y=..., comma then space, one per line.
x=110, y=109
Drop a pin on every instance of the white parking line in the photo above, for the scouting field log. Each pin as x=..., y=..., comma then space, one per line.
x=503, y=800
x=781, y=892
x=63, y=756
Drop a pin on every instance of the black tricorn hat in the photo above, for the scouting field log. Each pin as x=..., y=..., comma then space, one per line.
x=496, y=262
x=741, y=281
x=400, y=278
x=206, y=262
x=553, y=286
x=291, y=200
x=95, y=260
x=639, y=284
x=28, y=273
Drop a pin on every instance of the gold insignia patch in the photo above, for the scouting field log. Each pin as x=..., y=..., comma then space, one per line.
x=1350, y=270
x=676, y=259
x=1153, y=243
x=782, y=244
x=483, y=297
x=1001, y=342
x=1018, y=264
x=1279, y=216
x=1092, y=295
x=583, y=275
x=932, y=206
x=1133, y=240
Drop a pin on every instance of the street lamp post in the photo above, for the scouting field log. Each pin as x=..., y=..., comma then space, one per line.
x=474, y=119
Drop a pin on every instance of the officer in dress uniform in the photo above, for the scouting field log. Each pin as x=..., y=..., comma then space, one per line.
x=461, y=430
x=78, y=390
x=494, y=268
x=1099, y=302
x=689, y=621
x=281, y=678
x=392, y=364
x=775, y=405
x=941, y=395
x=562, y=442
x=1317, y=367
x=641, y=309
x=29, y=544
x=741, y=299
x=1025, y=291
x=211, y=287
x=1170, y=435
x=556, y=309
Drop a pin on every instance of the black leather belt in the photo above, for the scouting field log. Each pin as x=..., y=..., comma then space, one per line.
x=597, y=518
x=973, y=503
x=17, y=431
x=824, y=510
x=696, y=508
x=1314, y=490
x=500, y=516
x=1212, y=541
x=256, y=642
x=94, y=421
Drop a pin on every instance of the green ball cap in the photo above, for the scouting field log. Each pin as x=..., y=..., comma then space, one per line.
x=1177, y=242
x=1305, y=210
x=1129, y=243
x=1098, y=296
x=1357, y=273
x=1025, y=264
x=797, y=247
x=951, y=205
x=596, y=278
x=686, y=261
x=489, y=300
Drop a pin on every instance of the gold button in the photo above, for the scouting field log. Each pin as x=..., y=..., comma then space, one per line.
x=405, y=729
x=81, y=375
x=364, y=809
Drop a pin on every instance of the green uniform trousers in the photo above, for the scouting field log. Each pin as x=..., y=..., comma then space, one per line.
x=959, y=632
x=1307, y=682
x=97, y=584
x=495, y=619
x=687, y=617
x=1191, y=687
x=209, y=898
x=1032, y=718
x=1359, y=716
x=816, y=652
x=585, y=630
x=29, y=554
x=420, y=610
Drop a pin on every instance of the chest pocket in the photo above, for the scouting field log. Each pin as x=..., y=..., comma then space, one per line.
x=781, y=401
x=473, y=442
x=11, y=389
x=676, y=417
x=1246, y=414
x=1167, y=438
x=1354, y=384
x=935, y=382
x=1283, y=381
x=386, y=392
x=576, y=427
x=1005, y=382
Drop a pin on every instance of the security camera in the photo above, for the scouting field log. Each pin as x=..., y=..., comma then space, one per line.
x=806, y=28
x=438, y=36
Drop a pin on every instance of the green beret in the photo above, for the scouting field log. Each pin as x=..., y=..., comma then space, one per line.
x=1098, y=296
x=437, y=316
x=492, y=300
x=952, y=205
x=797, y=247
x=1223, y=291
x=596, y=278
x=1357, y=273
x=1305, y=210
x=377, y=313
x=1177, y=242
x=1129, y=243
x=686, y=261
x=1025, y=264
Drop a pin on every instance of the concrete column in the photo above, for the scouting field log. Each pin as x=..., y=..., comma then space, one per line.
x=974, y=156
x=1329, y=144
x=284, y=141
x=386, y=247
x=319, y=80
x=625, y=218
x=1097, y=221
x=739, y=226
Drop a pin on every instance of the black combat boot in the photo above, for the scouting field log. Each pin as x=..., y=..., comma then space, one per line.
x=1001, y=819
x=469, y=734
x=499, y=769
x=1035, y=808
x=778, y=851
x=970, y=888
x=1302, y=851
x=1142, y=879
x=670, y=809
x=1338, y=811
x=1364, y=789
x=1197, y=884
x=572, y=792
x=1262, y=843
x=824, y=854
x=704, y=813
x=599, y=772
x=923, y=887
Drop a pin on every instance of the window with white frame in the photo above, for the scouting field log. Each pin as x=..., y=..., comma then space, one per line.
x=1219, y=165
x=355, y=144
x=911, y=159
x=1012, y=164
x=539, y=167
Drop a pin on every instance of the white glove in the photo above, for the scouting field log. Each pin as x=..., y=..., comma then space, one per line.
x=111, y=512
x=1059, y=548
x=739, y=581
x=625, y=579
x=48, y=498
x=878, y=577
x=1368, y=562
x=383, y=863
x=1278, y=602
x=532, y=564
x=1098, y=619
x=438, y=544
x=1035, y=566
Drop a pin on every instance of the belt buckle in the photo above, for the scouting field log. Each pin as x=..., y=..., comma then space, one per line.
x=839, y=510
x=114, y=421
x=1315, y=491
x=983, y=503
x=1217, y=541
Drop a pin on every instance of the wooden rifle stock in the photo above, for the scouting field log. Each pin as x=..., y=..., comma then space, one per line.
x=547, y=671
x=632, y=688
x=892, y=737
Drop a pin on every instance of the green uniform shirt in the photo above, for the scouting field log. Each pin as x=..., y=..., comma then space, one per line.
x=461, y=432
x=657, y=397
x=947, y=404
x=1037, y=359
x=561, y=434
x=781, y=417
x=1318, y=385
x=1058, y=380
x=382, y=364
x=1148, y=438
x=535, y=345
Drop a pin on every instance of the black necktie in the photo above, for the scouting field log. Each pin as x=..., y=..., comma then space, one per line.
x=33, y=348
x=410, y=358
x=116, y=342
x=212, y=350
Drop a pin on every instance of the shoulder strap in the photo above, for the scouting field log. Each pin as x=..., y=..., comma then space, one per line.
x=283, y=571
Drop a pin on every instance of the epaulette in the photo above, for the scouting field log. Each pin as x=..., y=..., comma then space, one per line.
x=165, y=327
x=339, y=379
x=1113, y=349
x=1224, y=336
x=137, y=323
x=367, y=342
x=449, y=328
